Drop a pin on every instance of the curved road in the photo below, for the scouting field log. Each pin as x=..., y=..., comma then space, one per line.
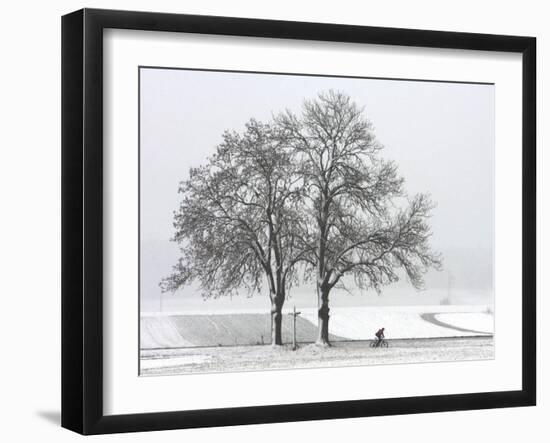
x=431, y=318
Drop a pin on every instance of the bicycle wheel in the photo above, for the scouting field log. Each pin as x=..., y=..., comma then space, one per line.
x=384, y=344
x=373, y=344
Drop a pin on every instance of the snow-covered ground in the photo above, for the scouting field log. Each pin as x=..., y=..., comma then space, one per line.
x=406, y=322
x=482, y=321
x=349, y=353
x=229, y=328
x=161, y=332
x=152, y=364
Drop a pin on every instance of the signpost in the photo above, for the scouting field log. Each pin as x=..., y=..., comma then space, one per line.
x=294, y=315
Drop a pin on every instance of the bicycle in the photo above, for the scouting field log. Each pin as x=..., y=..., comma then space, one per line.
x=379, y=343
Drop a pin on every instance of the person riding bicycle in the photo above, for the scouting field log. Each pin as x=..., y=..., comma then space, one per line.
x=380, y=335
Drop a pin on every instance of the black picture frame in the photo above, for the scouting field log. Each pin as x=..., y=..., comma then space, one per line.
x=82, y=217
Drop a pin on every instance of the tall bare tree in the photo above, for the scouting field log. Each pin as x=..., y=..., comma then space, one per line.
x=239, y=221
x=360, y=235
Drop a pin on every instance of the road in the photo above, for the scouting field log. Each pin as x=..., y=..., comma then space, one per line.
x=352, y=353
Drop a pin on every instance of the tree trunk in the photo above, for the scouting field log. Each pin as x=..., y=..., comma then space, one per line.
x=322, y=317
x=276, y=320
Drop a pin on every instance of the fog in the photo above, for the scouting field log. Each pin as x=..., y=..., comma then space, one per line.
x=440, y=134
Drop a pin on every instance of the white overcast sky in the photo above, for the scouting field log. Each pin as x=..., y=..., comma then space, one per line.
x=440, y=134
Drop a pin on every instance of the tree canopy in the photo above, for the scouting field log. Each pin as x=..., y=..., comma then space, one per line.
x=354, y=197
x=305, y=195
x=239, y=223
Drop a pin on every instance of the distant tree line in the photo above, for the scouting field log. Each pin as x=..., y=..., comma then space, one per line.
x=304, y=197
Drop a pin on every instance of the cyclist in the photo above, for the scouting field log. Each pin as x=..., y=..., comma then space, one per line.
x=380, y=336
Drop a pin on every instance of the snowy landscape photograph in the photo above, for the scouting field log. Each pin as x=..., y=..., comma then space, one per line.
x=305, y=221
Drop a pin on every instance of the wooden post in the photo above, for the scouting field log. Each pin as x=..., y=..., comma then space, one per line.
x=294, y=315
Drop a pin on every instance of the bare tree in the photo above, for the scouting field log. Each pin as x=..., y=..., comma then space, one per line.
x=360, y=233
x=239, y=221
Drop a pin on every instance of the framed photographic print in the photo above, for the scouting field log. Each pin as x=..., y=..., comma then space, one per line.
x=269, y=221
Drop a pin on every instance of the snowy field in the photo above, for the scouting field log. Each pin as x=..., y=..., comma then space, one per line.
x=354, y=353
x=481, y=321
x=240, y=340
x=252, y=327
x=407, y=322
